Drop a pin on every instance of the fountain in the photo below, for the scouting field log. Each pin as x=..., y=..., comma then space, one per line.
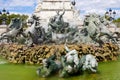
x=50, y=28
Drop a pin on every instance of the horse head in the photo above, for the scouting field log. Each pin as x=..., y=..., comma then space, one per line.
x=16, y=23
x=104, y=21
x=95, y=19
x=92, y=24
x=31, y=21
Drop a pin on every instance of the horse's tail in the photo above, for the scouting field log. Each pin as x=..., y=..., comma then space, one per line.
x=3, y=35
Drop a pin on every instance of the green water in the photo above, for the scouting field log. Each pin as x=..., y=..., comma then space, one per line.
x=106, y=71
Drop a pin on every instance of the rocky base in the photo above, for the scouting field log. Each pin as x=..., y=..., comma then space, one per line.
x=33, y=55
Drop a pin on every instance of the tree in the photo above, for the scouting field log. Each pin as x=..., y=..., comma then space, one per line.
x=9, y=17
x=117, y=20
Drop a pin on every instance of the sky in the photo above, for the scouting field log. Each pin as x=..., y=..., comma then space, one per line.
x=85, y=6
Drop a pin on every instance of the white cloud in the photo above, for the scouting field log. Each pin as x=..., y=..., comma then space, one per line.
x=20, y=3
x=98, y=6
x=87, y=6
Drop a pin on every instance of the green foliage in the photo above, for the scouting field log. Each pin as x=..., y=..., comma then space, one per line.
x=117, y=20
x=9, y=17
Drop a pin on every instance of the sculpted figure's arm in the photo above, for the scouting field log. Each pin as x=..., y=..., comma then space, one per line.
x=61, y=15
x=72, y=52
x=63, y=12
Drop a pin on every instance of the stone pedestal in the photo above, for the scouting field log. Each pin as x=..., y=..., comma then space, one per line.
x=48, y=8
x=3, y=28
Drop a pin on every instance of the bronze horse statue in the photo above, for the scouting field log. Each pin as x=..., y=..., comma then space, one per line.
x=35, y=33
x=14, y=29
x=96, y=29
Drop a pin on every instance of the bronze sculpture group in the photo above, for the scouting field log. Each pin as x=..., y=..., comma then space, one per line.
x=70, y=64
x=95, y=30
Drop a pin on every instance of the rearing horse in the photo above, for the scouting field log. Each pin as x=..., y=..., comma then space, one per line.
x=92, y=29
x=103, y=25
x=96, y=29
x=15, y=28
x=35, y=33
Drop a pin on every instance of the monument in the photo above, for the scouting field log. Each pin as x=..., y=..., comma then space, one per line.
x=47, y=8
x=38, y=45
